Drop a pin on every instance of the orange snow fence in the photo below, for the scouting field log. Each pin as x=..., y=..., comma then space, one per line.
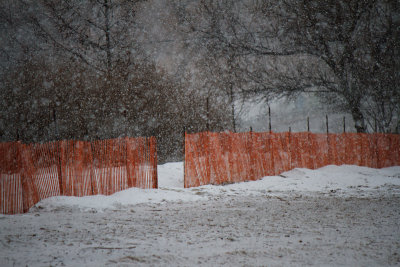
x=217, y=158
x=32, y=172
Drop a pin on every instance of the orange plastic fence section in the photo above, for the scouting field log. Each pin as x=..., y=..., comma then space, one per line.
x=45, y=168
x=217, y=158
x=110, y=166
x=10, y=183
x=31, y=172
x=76, y=161
x=142, y=158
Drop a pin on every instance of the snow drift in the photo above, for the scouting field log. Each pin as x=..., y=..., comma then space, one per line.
x=345, y=180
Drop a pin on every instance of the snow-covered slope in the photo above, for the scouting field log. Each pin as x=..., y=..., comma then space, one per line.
x=336, y=215
x=346, y=180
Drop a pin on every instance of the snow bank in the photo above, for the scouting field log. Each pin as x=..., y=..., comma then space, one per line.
x=170, y=175
x=345, y=180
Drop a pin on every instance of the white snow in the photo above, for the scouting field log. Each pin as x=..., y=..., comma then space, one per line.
x=170, y=175
x=345, y=180
x=336, y=215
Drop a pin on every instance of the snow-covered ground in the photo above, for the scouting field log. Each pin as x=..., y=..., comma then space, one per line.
x=336, y=215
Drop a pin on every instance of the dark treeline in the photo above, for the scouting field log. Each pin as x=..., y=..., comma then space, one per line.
x=76, y=70
x=91, y=69
x=345, y=52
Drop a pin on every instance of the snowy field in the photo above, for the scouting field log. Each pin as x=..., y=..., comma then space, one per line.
x=336, y=215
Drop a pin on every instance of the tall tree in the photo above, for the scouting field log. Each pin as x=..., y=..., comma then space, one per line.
x=330, y=47
x=99, y=33
x=77, y=70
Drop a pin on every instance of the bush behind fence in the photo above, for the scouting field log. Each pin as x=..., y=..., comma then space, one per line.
x=216, y=158
x=32, y=172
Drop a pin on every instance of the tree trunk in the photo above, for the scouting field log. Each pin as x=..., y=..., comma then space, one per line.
x=232, y=108
x=358, y=117
x=108, y=41
x=208, y=113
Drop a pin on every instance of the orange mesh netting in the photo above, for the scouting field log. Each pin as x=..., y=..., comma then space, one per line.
x=217, y=158
x=10, y=183
x=33, y=172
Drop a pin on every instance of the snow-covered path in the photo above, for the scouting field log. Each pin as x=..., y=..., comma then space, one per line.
x=343, y=215
x=230, y=231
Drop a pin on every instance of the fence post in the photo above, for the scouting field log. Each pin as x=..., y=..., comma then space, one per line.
x=327, y=125
x=310, y=158
x=184, y=157
x=232, y=108
x=92, y=171
x=55, y=125
x=377, y=151
x=250, y=148
x=155, y=174
x=208, y=152
x=290, y=148
x=30, y=195
x=327, y=140
x=309, y=163
x=126, y=123
x=208, y=114
x=23, y=177
x=60, y=180
x=344, y=124
x=271, y=149
x=269, y=119
x=57, y=135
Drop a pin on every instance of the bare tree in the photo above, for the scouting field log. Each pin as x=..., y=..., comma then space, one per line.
x=288, y=47
x=98, y=33
x=75, y=70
